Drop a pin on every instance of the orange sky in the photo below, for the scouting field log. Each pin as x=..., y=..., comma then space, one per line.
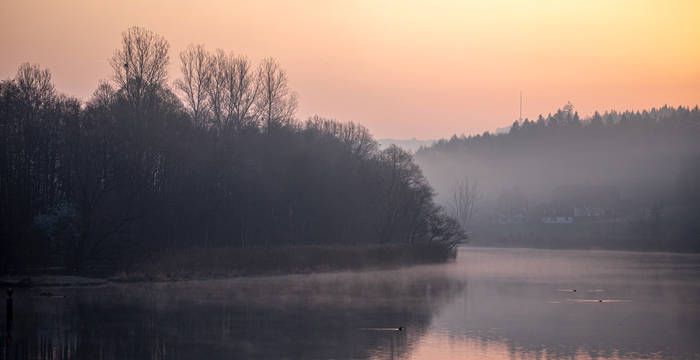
x=402, y=68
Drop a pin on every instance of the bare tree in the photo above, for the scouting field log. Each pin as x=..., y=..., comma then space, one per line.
x=141, y=64
x=276, y=103
x=219, y=64
x=464, y=197
x=196, y=76
x=241, y=92
x=102, y=96
x=34, y=84
x=232, y=90
x=355, y=136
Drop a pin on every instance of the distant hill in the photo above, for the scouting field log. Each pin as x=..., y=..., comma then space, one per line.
x=410, y=145
x=623, y=180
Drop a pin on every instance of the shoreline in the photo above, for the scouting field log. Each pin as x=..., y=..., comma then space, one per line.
x=534, y=247
x=49, y=281
x=224, y=263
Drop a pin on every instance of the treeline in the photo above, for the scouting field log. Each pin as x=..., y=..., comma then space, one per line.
x=665, y=126
x=651, y=157
x=217, y=161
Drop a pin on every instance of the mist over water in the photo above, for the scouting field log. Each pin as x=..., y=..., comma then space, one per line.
x=489, y=303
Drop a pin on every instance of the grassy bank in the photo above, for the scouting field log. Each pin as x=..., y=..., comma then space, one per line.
x=227, y=262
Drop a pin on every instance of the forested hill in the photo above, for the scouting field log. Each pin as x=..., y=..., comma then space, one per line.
x=648, y=164
x=217, y=160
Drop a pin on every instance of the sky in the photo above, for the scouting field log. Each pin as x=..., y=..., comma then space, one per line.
x=402, y=68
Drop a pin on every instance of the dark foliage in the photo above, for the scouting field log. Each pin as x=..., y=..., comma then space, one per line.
x=134, y=171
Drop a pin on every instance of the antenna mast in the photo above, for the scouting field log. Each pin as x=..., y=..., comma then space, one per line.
x=521, y=106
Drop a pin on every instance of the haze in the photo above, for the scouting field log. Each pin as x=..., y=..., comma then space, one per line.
x=402, y=69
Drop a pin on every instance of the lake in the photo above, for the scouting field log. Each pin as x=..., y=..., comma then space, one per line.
x=488, y=304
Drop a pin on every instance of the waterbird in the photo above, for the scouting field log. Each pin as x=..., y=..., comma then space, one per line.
x=400, y=328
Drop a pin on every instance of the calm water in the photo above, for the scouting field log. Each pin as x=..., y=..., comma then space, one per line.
x=489, y=304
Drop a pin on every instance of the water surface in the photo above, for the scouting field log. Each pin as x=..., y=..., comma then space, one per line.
x=488, y=304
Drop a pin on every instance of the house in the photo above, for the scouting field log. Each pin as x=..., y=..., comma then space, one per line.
x=584, y=203
x=589, y=211
x=558, y=219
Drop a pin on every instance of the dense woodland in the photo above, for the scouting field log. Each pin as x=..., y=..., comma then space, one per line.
x=216, y=160
x=627, y=179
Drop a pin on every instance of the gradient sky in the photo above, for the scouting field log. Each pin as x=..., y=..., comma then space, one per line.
x=402, y=68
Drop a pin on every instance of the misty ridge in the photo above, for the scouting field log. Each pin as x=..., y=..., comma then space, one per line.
x=195, y=173
x=618, y=180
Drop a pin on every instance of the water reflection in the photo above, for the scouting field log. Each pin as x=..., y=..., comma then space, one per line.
x=305, y=316
x=535, y=304
x=490, y=304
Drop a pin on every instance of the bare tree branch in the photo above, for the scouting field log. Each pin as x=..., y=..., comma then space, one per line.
x=196, y=68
